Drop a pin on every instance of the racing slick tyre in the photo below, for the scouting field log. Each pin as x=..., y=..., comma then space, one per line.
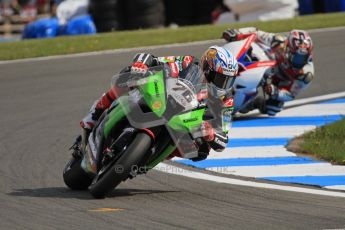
x=180, y=12
x=120, y=170
x=204, y=10
x=144, y=14
x=107, y=26
x=108, y=15
x=74, y=176
x=104, y=5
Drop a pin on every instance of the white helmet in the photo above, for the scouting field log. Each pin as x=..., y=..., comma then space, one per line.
x=219, y=66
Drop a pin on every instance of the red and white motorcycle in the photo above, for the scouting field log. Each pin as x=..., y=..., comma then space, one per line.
x=255, y=68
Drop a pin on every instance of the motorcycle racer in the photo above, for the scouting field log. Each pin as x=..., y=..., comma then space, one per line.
x=219, y=67
x=294, y=70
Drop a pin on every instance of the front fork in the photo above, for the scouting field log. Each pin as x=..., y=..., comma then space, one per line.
x=115, y=116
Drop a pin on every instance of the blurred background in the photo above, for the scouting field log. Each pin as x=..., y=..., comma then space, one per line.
x=50, y=18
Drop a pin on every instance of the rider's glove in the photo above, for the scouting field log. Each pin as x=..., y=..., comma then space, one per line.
x=207, y=131
x=217, y=141
x=277, y=41
x=231, y=35
x=203, y=150
x=273, y=107
x=220, y=142
x=305, y=78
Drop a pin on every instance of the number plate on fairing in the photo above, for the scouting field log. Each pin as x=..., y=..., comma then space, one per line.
x=182, y=94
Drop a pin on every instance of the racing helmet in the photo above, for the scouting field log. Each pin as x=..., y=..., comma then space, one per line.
x=299, y=48
x=220, y=67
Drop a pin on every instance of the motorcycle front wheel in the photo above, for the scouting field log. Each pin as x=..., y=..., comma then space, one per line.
x=110, y=177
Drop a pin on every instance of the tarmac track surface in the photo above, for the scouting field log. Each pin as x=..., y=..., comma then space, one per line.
x=41, y=105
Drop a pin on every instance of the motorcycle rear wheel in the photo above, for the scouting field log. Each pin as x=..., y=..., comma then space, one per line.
x=74, y=175
x=121, y=169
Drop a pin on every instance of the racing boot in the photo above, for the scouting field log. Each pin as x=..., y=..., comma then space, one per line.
x=76, y=147
x=258, y=103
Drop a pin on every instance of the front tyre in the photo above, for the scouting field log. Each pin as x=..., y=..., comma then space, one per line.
x=74, y=175
x=120, y=170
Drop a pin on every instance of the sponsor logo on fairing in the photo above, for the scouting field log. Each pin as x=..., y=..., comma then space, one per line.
x=190, y=120
x=156, y=88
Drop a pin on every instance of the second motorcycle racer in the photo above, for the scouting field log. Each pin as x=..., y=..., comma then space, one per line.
x=294, y=70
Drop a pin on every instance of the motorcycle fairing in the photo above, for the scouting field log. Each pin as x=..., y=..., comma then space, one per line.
x=246, y=86
x=153, y=89
x=250, y=77
x=187, y=122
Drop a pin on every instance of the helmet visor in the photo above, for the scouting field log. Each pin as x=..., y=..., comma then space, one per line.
x=298, y=60
x=220, y=80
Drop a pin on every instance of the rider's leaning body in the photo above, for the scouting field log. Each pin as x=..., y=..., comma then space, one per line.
x=213, y=135
x=294, y=70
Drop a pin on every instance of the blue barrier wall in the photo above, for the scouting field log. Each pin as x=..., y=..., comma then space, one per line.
x=320, y=6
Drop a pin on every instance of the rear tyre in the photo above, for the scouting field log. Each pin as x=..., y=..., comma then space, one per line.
x=74, y=176
x=108, y=15
x=145, y=14
x=120, y=170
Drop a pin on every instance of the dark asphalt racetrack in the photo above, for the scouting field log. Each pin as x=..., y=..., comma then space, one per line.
x=41, y=104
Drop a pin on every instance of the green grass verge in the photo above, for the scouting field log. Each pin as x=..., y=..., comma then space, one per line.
x=327, y=142
x=128, y=39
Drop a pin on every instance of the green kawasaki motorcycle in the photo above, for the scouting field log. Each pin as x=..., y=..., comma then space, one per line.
x=154, y=115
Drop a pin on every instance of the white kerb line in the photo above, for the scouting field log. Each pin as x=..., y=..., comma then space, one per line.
x=205, y=176
x=163, y=167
